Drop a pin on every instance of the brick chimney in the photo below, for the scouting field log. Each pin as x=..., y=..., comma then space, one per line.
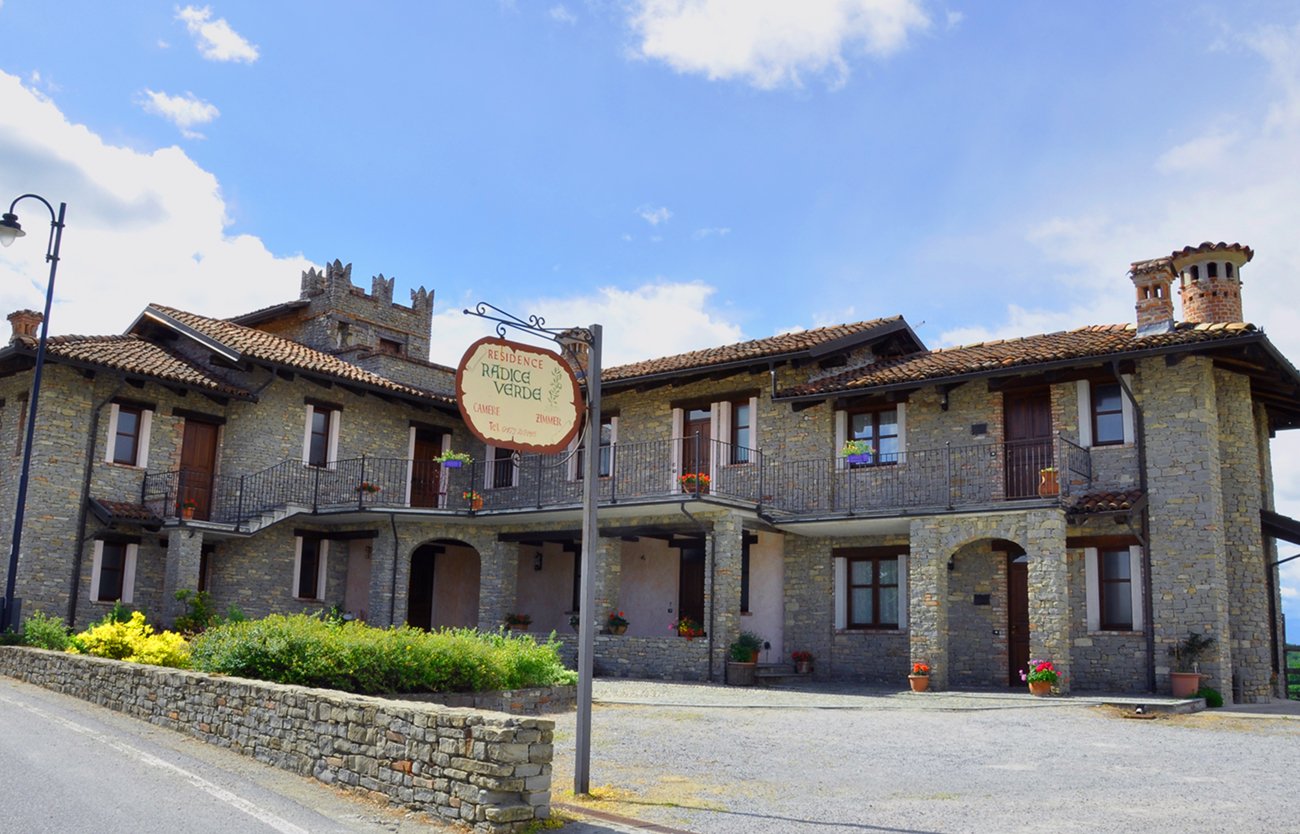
x=25, y=324
x=1209, y=278
x=1155, y=303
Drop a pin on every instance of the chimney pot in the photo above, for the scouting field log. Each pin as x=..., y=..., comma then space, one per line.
x=25, y=324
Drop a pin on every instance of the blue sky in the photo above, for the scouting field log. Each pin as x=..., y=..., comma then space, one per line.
x=686, y=173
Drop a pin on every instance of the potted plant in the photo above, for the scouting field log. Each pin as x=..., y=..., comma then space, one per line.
x=1186, y=676
x=367, y=488
x=475, y=500
x=518, y=622
x=857, y=451
x=188, y=506
x=573, y=622
x=616, y=622
x=453, y=460
x=1049, y=484
x=694, y=482
x=743, y=658
x=1041, y=677
x=920, y=677
x=802, y=662
x=688, y=628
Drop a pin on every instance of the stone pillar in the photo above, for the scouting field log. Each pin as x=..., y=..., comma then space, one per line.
x=1049, y=592
x=184, y=552
x=607, y=574
x=498, y=582
x=927, y=612
x=387, y=596
x=722, y=564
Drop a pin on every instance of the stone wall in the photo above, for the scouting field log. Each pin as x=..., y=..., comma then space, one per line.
x=488, y=770
x=662, y=658
x=543, y=700
x=1103, y=661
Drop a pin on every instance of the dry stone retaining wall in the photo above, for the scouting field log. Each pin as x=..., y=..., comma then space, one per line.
x=489, y=770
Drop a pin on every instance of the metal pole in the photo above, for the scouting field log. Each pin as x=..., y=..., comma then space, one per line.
x=590, y=532
x=12, y=578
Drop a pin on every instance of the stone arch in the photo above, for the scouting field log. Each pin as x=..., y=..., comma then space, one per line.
x=443, y=584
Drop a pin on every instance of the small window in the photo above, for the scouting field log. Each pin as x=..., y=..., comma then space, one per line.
x=113, y=571
x=126, y=440
x=1212, y=270
x=1227, y=270
x=503, y=468
x=1195, y=272
x=1116, y=585
x=390, y=346
x=872, y=593
x=880, y=430
x=606, y=462
x=741, y=432
x=319, y=445
x=1107, y=414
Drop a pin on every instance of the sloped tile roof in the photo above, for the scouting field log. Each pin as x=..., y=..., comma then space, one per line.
x=258, y=344
x=1207, y=248
x=135, y=355
x=1104, y=502
x=1007, y=354
x=784, y=344
x=124, y=512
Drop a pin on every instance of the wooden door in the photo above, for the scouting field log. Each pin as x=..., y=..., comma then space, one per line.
x=426, y=475
x=198, y=465
x=690, y=587
x=1017, y=617
x=1028, y=434
x=695, y=441
x=419, y=591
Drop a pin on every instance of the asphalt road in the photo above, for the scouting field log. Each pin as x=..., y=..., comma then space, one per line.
x=70, y=767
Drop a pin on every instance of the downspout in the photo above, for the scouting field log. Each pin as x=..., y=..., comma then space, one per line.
x=1144, y=537
x=392, y=594
x=74, y=588
x=713, y=576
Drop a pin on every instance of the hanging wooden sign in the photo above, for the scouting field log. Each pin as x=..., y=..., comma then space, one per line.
x=518, y=396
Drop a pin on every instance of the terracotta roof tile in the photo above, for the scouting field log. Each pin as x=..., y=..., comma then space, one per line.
x=785, y=343
x=1104, y=502
x=1004, y=354
x=258, y=344
x=123, y=512
x=134, y=355
x=1207, y=248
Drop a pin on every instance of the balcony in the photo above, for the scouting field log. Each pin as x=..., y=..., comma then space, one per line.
x=944, y=479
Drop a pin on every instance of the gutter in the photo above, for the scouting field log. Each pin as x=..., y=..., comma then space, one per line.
x=392, y=595
x=1144, y=538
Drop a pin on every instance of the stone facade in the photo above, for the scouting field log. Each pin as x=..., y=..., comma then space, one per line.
x=488, y=770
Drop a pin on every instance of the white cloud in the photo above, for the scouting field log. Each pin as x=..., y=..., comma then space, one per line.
x=1200, y=154
x=183, y=111
x=560, y=14
x=654, y=216
x=141, y=226
x=215, y=39
x=655, y=319
x=772, y=43
x=954, y=19
x=710, y=231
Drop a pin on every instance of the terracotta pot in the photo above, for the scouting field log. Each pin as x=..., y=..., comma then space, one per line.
x=618, y=629
x=920, y=683
x=1040, y=688
x=1049, y=485
x=1184, y=684
x=187, y=513
x=803, y=667
x=476, y=504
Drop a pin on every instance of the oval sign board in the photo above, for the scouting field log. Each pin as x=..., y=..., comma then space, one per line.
x=518, y=396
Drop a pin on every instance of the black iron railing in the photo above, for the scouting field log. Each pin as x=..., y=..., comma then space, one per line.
x=947, y=477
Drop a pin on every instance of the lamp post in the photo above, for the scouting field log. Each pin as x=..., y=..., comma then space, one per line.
x=9, y=232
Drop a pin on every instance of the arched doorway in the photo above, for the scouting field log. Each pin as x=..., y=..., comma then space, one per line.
x=444, y=586
x=988, y=614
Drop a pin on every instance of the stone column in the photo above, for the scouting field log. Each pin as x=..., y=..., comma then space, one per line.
x=184, y=552
x=607, y=574
x=498, y=582
x=927, y=583
x=722, y=564
x=1049, y=591
x=385, y=594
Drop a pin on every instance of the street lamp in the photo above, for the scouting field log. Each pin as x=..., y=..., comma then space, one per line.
x=9, y=232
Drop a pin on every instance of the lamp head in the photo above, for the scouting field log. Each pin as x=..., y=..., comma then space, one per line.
x=9, y=229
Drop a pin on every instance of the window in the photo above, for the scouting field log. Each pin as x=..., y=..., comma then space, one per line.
x=320, y=441
x=606, y=462
x=112, y=572
x=1211, y=270
x=1107, y=414
x=872, y=592
x=503, y=470
x=880, y=429
x=1227, y=269
x=1113, y=588
x=390, y=346
x=741, y=436
x=128, y=434
x=310, y=556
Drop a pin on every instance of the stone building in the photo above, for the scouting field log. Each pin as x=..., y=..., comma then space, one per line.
x=1090, y=496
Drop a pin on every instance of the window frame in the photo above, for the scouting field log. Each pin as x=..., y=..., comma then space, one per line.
x=605, y=461
x=875, y=559
x=1095, y=412
x=129, y=554
x=333, y=422
x=1103, y=580
x=740, y=453
x=1084, y=395
x=1094, y=566
x=140, y=438
x=321, y=556
x=877, y=456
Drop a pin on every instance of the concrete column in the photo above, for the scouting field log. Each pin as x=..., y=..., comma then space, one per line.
x=1049, y=592
x=184, y=552
x=722, y=563
x=927, y=583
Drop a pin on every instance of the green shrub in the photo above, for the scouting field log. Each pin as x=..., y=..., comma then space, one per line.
x=134, y=640
x=46, y=632
x=314, y=651
x=1213, y=698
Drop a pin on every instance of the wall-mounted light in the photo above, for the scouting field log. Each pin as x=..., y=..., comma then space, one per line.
x=952, y=566
x=537, y=560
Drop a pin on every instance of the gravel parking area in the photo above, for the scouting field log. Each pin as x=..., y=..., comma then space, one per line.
x=830, y=760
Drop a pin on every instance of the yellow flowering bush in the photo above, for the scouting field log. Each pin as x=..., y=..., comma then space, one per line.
x=135, y=641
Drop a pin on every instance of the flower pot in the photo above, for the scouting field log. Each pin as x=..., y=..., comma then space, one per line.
x=740, y=674
x=857, y=458
x=453, y=464
x=1184, y=684
x=187, y=513
x=803, y=667
x=518, y=627
x=618, y=629
x=476, y=504
x=920, y=683
x=1040, y=688
x=1049, y=485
